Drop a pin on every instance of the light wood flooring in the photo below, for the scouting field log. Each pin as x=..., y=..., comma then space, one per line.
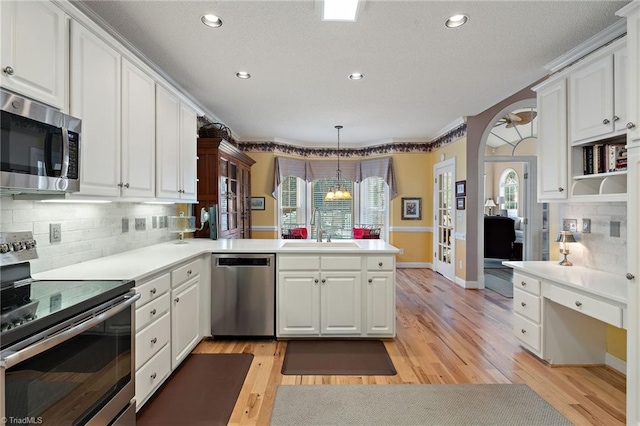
x=445, y=334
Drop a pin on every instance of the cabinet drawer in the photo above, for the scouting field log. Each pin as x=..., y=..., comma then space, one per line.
x=526, y=283
x=151, y=339
x=298, y=263
x=341, y=263
x=598, y=309
x=526, y=304
x=186, y=272
x=151, y=311
x=149, y=377
x=527, y=332
x=153, y=289
x=380, y=263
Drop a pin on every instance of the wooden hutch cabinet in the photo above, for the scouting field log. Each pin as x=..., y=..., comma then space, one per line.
x=224, y=179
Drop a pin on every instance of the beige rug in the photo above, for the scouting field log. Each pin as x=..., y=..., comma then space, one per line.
x=493, y=404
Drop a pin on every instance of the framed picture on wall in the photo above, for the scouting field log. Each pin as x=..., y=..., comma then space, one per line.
x=411, y=208
x=460, y=203
x=461, y=188
x=257, y=203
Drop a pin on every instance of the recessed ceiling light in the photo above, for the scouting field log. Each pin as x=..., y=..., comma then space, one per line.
x=243, y=75
x=356, y=76
x=456, y=21
x=211, y=20
x=340, y=10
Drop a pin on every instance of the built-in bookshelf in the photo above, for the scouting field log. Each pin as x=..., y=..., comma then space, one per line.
x=599, y=169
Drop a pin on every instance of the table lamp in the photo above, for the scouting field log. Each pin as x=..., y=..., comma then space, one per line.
x=565, y=237
x=491, y=204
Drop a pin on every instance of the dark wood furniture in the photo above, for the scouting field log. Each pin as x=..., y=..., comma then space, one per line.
x=224, y=179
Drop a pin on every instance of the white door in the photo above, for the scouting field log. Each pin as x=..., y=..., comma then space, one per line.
x=298, y=303
x=185, y=317
x=444, y=219
x=168, y=179
x=380, y=295
x=188, y=152
x=340, y=300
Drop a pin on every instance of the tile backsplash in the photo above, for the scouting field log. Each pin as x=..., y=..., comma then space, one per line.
x=88, y=231
x=598, y=249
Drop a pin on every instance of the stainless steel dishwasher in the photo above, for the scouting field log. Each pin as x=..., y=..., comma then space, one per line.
x=243, y=294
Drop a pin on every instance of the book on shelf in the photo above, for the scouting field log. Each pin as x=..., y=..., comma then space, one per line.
x=604, y=158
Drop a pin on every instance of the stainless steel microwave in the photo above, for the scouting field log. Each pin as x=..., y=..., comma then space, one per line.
x=39, y=147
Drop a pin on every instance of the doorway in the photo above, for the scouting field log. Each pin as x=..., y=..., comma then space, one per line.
x=444, y=219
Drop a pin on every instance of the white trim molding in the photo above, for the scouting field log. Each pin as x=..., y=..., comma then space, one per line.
x=615, y=363
x=265, y=228
x=468, y=284
x=411, y=229
x=414, y=265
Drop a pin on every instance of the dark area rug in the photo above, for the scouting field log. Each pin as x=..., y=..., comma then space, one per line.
x=337, y=358
x=203, y=391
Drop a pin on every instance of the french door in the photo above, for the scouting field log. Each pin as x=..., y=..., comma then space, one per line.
x=444, y=219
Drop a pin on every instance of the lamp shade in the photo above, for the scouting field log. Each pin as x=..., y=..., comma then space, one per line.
x=565, y=237
x=490, y=203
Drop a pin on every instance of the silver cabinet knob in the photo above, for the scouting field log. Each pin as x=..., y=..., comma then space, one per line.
x=379, y=263
x=153, y=290
x=120, y=185
x=616, y=118
x=523, y=331
x=126, y=185
x=324, y=281
x=630, y=276
x=153, y=312
x=154, y=340
x=8, y=70
x=630, y=125
x=606, y=121
x=578, y=303
x=370, y=280
x=523, y=304
x=153, y=376
x=560, y=189
x=523, y=283
x=189, y=272
x=177, y=299
x=315, y=281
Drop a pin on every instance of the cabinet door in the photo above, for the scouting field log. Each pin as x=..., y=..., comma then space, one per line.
x=620, y=87
x=168, y=180
x=298, y=303
x=380, y=303
x=95, y=98
x=138, y=132
x=341, y=303
x=185, y=320
x=188, y=152
x=552, y=141
x=34, y=50
x=633, y=79
x=591, y=100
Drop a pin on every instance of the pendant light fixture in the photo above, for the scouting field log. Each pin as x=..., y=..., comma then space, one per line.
x=339, y=193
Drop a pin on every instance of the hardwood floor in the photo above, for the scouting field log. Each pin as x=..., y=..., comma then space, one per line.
x=445, y=334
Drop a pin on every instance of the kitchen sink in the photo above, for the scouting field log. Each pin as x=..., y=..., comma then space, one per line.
x=313, y=244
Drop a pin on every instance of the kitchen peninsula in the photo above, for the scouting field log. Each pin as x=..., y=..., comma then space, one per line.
x=343, y=288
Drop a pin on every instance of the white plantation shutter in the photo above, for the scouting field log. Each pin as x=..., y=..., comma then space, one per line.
x=292, y=203
x=337, y=215
x=373, y=201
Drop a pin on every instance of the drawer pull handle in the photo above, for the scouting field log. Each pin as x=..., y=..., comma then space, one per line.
x=8, y=70
x=153, y=290
x=523, y=331
x=370, y=280
x=616, y=118
x=153, y=376
x=177, y=299
x=578, y=303
x=606, y=121
x=154, y=340
x=189, y=272
x=379, y=263
x=523, y=284
x=523, y=304
x=631, y=126
x=630, y=276
x=560, y=189
x=153, y=312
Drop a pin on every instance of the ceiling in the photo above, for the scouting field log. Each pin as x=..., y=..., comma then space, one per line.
x=420, y=77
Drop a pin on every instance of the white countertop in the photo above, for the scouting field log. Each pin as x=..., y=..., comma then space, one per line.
x=140, y=263
x=604, y=284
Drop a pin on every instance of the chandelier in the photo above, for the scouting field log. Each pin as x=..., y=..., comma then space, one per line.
x=339, y=193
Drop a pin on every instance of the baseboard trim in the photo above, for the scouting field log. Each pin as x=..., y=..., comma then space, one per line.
x=615, y=363
x=468, y=284
x=414, y=265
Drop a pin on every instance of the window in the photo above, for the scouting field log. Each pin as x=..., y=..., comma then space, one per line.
x=369, y=206
x=509, y=185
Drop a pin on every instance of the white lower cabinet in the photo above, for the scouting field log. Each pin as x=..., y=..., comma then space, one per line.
x=325, y=296
x=527, y=310
x=167, y=321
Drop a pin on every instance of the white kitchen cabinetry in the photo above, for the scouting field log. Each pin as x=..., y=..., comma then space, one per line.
x=34, y=50
x=138, y=133
x=185, y=311
x=95, y=98
x=380, y=294
x=552, y=140
x=324, y=295
x=153, y=333
x=597, y=95
x=176, y=155
x=527, y=309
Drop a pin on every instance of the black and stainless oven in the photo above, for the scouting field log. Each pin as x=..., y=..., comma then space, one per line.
x=39, y=147
x=66, y=349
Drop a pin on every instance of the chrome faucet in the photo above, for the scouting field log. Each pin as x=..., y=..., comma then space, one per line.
x=313, y=222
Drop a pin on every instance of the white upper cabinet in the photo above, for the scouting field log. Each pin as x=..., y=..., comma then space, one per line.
x=597, y=97
x=34, y=50
x=138, y=133
x=95, y=98
x=632, y=123
x=176, y=149
x=552, y=140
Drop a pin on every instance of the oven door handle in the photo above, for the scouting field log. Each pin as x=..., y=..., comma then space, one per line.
x=96, y=317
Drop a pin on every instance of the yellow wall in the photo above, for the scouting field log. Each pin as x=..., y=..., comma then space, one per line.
x=262, y=186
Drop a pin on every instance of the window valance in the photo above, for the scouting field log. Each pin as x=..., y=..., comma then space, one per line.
x=355, y=171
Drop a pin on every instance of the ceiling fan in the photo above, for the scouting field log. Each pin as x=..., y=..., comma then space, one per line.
x=516, y=119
